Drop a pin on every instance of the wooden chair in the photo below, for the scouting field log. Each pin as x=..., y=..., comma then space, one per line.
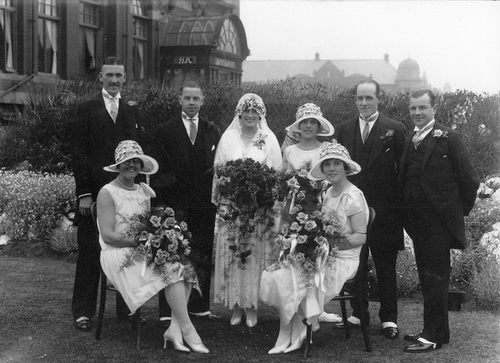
x=104, y=287
x=342, y=297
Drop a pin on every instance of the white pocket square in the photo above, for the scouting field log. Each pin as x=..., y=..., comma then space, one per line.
x=213, y=148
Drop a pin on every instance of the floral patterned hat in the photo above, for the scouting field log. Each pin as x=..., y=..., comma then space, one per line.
x=251, y=101
x=333, y=150
x=129, y=149
x=310, y=110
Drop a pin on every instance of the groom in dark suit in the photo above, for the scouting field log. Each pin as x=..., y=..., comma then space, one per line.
x=375, y=142
x=97, y=128
x=439, y=187
x=185, y=149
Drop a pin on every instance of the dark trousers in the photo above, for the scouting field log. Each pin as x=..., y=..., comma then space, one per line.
x=201, y=223
x=431, y=241
x=88, y=272
x=385, y=265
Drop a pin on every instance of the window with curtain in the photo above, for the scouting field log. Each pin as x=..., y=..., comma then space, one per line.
x=7, y=34
x=140, y=22
x=48, y=36
x=89, y=25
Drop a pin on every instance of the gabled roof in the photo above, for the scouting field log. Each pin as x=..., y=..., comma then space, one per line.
x=262, y=70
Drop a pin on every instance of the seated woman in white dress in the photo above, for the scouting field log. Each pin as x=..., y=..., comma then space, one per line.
x=118, y=204
x=309, y=124
x=298, y=292
x=240, y=257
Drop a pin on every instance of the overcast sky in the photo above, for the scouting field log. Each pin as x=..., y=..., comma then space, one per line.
x=452, y=41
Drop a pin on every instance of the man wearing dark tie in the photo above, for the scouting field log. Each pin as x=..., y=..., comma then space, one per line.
x=97, y=128
x=439, y=186
x=376, y=142
x=185, y=149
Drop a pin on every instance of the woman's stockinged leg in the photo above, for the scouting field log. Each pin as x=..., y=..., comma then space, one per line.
x=177, y=297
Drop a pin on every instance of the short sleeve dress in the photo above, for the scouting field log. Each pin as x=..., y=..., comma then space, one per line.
x=289, y=287
x=134, y=288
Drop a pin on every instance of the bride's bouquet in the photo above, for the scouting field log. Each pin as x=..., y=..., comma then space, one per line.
x=246, y=193
x=162, y=239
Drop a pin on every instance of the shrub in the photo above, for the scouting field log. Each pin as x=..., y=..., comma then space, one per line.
x=63, y=240
x=40, y=136
x=407, y=275
x=485, y=284
x=33, y=203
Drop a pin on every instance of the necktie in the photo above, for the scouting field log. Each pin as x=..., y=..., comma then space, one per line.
x=192, y=130
x=366, y=131
x=418, y=137
x=114, y=109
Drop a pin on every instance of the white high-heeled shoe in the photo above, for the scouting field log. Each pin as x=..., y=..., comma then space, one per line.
x=237, y=316
x=251, y=317
x=176, y=343
x=297, y=343
x=194, y=342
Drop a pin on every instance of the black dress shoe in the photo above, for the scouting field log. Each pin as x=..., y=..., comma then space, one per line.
x=420, y=347
x=390, y=332
x=351, y=325
x=412, y=337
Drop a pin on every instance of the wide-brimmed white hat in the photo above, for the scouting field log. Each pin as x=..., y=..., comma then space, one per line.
x=310, y=110
x=333, y=150
x=129, y=149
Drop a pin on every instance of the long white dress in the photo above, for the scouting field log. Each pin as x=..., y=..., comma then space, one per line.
x=293, y=290
x=134, y=288
x=234, y=282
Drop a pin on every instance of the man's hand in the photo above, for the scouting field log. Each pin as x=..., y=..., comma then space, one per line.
x=84, y=205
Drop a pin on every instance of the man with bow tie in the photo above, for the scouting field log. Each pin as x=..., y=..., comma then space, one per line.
x=185, y=149
x=376, y=142
x=439, y=186
x=97, y=128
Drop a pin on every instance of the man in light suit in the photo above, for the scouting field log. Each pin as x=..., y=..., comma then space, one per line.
x=375, y=142
x=185, y=149
x=97, y=128
x=439, y=186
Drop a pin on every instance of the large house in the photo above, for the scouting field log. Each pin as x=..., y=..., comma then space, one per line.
x=340, y=72
x=43, y=41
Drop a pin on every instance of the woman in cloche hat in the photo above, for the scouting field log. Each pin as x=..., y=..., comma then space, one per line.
x=296, y=293
x=309, y=123
x=117, y=204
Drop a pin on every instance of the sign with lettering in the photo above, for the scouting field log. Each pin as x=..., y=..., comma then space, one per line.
x=191, y=59
x=225, y=63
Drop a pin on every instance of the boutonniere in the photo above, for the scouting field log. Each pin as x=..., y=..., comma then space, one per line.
x=131, y=103
x=388, y=135
x=260, y=141
x=440, y=134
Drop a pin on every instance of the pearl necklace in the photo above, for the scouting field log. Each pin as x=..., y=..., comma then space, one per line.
x=309, y=148
x=246, y=135
x=123, y=185
x=336, y=195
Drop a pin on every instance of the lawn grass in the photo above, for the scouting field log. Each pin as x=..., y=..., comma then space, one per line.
x=36, y=325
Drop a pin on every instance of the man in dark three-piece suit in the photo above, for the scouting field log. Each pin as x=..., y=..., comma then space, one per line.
x=97, y=128
x=185, y=149
x=439, y=186
x=375, y=142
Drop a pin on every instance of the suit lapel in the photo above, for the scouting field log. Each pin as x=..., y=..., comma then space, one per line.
x=431, y=144
x=181, y=137
x=350, y=134
x=377, y=143
x=402, y=162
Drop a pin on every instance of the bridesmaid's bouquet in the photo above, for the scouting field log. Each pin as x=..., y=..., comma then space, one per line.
x=162, y=239
x=246, y=193
x=306, y=230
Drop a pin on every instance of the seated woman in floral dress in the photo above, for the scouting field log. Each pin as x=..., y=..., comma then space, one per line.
x=243, y=244
x=320, y=250
x=119, y=204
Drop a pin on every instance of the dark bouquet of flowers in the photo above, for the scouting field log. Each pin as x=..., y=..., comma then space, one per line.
x=306, y=231
x=162, y=239
x=246, y=193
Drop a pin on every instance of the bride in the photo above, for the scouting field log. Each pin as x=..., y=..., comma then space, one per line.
x=237, y=279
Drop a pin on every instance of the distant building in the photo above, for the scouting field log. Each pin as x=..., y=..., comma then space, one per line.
x=43, y=41
x=340, y=72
